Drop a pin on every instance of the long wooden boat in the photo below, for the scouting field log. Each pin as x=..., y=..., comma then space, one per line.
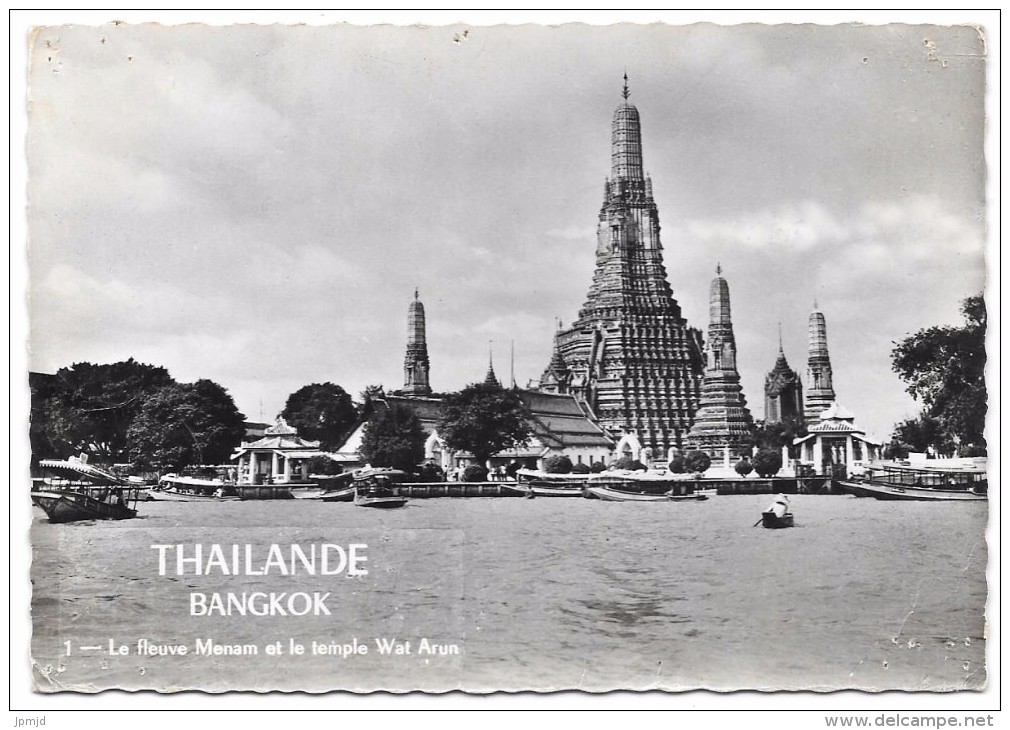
x=543, y=484
x=610, y=494
x=175, y=488
x=374, y=488
x=890, y=481
x=81, y=492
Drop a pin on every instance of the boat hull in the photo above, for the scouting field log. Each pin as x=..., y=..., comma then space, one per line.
x=381, y=502
x=539, y=490
x=338, y=495
x=77, y=507
x=171, y=495
x=608, y=494
x=775, y=522
x=916, y=494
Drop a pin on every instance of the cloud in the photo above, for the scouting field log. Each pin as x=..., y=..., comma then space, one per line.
x=573, y=233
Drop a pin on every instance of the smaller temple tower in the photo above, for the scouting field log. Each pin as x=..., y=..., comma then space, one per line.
x=723, y=419
x=490, y=378
x=820, y=390
x=415, y=363
x=783, y=390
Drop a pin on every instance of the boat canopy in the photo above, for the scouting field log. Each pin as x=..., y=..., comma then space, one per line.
x=79, y=468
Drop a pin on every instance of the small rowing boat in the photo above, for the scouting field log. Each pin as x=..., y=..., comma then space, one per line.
x=777, y=515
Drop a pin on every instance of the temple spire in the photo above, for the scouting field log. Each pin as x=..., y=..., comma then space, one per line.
x=820, y=389
x=722, y=419
x=490, y=378
x=415, y=362
x=625, y=92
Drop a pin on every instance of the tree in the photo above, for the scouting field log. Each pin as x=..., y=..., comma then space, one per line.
x=944, y=368
x=581, y=468
x=558, y=464
x=598, y=467
x=89, y=408
x=322, y=412
x=743, y=467
x=779, y=434
x=484, y=419
x=697, y=462
x=919, y=434
x=393, y=437
x=626, y=463
x=676, y=464
x=183, y=424
x=767, y=462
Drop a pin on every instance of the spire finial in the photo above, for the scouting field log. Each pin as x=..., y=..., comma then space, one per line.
x=415, y=294
x=625, y=93
x=815, y=304
x=780, y=338
x=718, y=268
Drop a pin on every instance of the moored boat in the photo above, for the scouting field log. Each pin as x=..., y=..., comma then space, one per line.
x=609, y=494
x=175, y=488
x=374, y=488
x=544, y=484
x=890, y=481
x=79, y=491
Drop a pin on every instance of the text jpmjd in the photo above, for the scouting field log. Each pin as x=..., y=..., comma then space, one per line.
x=325, y=559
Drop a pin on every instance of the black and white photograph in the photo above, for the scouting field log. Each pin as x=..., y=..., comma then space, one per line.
x=507, y=358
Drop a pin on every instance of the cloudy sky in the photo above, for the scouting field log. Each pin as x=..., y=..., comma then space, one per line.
x=255, y=204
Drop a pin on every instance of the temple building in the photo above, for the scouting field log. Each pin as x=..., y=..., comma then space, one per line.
x=630, y=357
x=415, y=363
x=722, y=420
x=783, y=391
x=820, y=391
x=835, y=440
x=281, y=456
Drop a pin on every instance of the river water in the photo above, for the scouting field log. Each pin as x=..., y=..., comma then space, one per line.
x=533, y=594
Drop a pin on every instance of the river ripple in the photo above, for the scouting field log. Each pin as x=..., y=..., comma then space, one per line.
x=537, y=594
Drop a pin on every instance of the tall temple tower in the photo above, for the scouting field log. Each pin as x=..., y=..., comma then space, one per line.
x=630, y=355
x=722, y=418
x=783, y=391
x=415, y=363
x=820, y=391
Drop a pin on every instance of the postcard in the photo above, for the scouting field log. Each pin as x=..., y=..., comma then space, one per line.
x=508, y=358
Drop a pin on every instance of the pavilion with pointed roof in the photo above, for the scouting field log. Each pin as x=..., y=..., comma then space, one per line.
x=836, y=440
x=280, y=457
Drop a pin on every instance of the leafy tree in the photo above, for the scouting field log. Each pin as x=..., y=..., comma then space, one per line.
x=475, y=473
x=919, y=434
x=598, y=467
x=676, y=464
x=484, y=419
x=321, y=412
x=626, y=463
x=325, y=466
x=743, y=467
x=558, y=464
x=581, y=469
x=944, y=368
x=779, y=434
x=89, y=408
x=183, y=424
x=369, y=396
x=393, y=437
x=697, y=462
x=767, y=462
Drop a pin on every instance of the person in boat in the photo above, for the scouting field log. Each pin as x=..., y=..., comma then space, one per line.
x=779, y=505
